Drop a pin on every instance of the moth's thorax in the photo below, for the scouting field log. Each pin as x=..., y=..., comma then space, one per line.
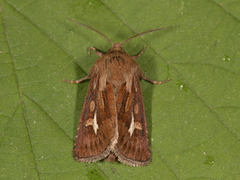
x=116, y=67
x=117, y=63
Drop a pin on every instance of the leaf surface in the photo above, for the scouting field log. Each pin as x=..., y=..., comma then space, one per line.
x=193, y=120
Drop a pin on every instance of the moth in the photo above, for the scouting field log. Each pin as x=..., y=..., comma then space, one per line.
x=113, y=122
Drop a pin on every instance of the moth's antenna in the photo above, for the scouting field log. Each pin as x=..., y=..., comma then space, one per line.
x=92, y=30
x=145, y=32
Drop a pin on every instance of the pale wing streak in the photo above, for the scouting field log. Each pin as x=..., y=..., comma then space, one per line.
x=131, y=128
x=95, y=125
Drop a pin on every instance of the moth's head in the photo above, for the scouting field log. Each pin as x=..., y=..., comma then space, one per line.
x=116, y=47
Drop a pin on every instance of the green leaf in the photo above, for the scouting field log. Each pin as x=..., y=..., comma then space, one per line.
x=193, y=120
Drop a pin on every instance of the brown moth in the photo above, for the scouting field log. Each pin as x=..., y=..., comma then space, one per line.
x=113, y=122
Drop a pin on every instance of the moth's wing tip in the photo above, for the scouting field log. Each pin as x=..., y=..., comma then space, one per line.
x=128, y=161
x=94, y=158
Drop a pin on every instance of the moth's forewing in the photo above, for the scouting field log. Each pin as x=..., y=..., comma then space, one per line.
x=133, y=146
x=96, y=124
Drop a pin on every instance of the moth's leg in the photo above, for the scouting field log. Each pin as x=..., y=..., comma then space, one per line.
x=155, y=82
x=139, y=54
x=76, y=81
x=98, y=53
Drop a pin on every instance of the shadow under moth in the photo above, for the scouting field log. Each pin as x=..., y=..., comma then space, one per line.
x=113, y=123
